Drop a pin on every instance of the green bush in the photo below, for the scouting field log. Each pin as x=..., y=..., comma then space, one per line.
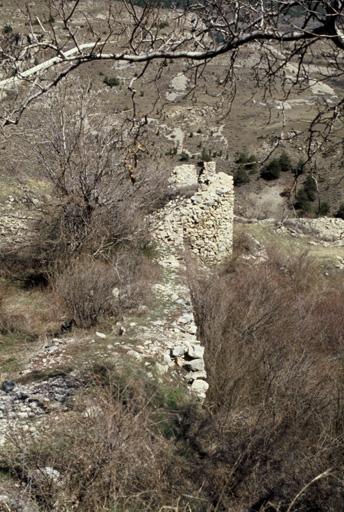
x=272, y=170
x=324, y=208
x=299, y=168
x=285, y=162
x=340, y=212
x=184, y=157
x=310, y=188
x=111, y=81
x=247, y=161
x=246, y=165
x=205, y=155
x=7, y=29
x=307, y=195
x=241, y=177
x=302, y=201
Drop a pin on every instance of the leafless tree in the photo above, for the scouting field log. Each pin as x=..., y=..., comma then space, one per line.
x=198, y=32
x=95, y=202
x=297, y=45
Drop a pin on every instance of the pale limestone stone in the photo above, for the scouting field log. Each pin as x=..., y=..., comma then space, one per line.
x=200, y=387
x=204, y=225
x=196, y=352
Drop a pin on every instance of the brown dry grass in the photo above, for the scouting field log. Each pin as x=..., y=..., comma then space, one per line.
x=113, y=452
x=272, y=421
x=28, y=313
x=274, y=346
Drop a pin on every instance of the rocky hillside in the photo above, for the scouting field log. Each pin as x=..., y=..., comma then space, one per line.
x=170, y=304
x=185, y=122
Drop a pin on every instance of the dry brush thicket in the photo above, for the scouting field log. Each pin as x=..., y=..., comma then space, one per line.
x=114, y=452
x=271, y=424
x=273, y=335
x=89, y=234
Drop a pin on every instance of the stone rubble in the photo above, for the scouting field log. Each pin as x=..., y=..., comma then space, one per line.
x=323, y=229
x=21, y=402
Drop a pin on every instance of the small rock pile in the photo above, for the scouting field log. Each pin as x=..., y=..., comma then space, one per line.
x=324, y=229
x=13, y=226
x=20, y=402
x=190, y=357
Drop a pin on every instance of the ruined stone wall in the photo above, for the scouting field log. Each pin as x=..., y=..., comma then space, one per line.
x=204, y=221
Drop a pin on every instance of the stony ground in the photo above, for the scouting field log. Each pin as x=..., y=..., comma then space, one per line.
x=45, y=374
x=322, y=239
x=43, y=379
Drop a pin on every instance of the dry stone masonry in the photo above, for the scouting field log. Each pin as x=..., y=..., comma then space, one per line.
x=204, y=221
x=208, y=223
x=199, y=219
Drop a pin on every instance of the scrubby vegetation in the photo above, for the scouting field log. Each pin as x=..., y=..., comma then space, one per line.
x=246, y=165
x=306, y=199
x=82, y=233
x=270, y=436
x=115, y=451
x=111, y=81
x=340, y=212
x=274, y=341
x=272, y=170
x=7, y=29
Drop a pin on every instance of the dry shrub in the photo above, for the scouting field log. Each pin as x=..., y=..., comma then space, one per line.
x=6, y=322
x=100, y=190
x=64, y=230
x=111, y=451
x=85, y=288
x=273, y=335
x=91, y=289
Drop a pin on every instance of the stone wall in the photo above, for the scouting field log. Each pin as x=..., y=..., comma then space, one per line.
x=200, y=218
x=204, y=221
